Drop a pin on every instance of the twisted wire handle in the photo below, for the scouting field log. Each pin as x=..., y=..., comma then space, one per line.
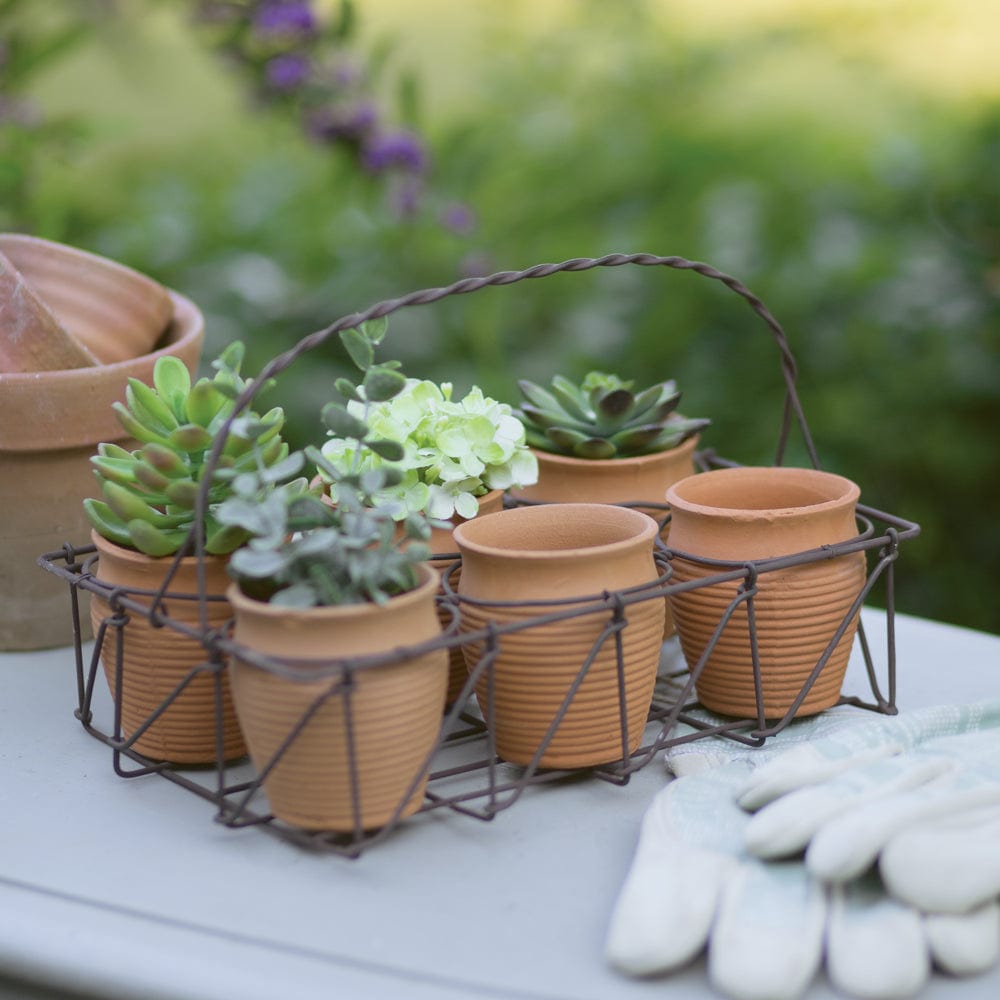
x=278, y=364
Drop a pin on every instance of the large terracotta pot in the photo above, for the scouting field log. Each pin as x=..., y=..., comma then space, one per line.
x=755, y=514
x=156, y=660
x=50, y=425
x=565, y=479
x=516, y=559
x=442, y=545
x=395, y=709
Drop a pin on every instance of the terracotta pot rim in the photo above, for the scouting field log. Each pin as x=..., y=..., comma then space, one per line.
x=839, y=491
x=616, y=463
x=134, y=555
x=646, y=529
x=262, y=609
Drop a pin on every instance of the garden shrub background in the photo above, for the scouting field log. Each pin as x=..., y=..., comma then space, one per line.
x=840, y=158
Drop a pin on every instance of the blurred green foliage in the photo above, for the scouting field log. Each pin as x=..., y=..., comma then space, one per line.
x=865, y=215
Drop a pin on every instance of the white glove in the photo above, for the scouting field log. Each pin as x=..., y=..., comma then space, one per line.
x=772, y=922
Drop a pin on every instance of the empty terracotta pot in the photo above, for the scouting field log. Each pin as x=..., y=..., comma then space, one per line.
x=566, y=479
x=512, y=563
x=156, y=660
x=50, y=425
x=746, y=514
x=395, y=708
x=115, y=312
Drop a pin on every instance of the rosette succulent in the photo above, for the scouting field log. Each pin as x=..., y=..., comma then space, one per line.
x=603, y=417
x=454, y=451
x=148, y=496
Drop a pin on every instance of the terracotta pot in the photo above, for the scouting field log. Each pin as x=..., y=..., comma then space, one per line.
x=745, y=514
x=565, y=479
x=156, y=660
x=442, y=543
x=115, y=312
x=395, y=709
x=572, y=553
x=50, y=425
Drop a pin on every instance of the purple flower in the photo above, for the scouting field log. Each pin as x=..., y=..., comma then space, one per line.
x=342, y=125
x=284, y=17
x=459, y=218
x=394, y=149
x=286, y=72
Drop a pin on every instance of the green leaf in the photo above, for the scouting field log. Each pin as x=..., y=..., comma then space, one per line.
x=151, y=478
x=391, y=451
x=571, y=399
x=359, y=347
x=348, y=390
x=128, y=506
x=190, y=438
x=342, y=423
x=165, y=460
x=134, y=428
x=172, y=381
x=615, y=407
x=156, y=542
x=148, y=407
x=182, y=493
x=118, y=470
x=375, y=329
x=204, y=402
x=106, y=522
x=382, y=384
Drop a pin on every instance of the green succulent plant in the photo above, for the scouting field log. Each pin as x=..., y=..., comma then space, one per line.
x=304, y=551
x=603, y=417
x=148, y=496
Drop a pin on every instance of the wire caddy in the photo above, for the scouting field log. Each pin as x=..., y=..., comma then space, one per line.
x=465, y=774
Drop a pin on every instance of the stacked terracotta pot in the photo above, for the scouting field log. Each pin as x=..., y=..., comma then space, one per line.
x=73, y=328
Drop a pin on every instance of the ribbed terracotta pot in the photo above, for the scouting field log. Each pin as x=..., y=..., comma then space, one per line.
x=50, y=425
x=156, y=660
x=743, y=514
x=395, y=709
x=565, y=479
x=113, y=310
x=573, y=553
x=442, y=543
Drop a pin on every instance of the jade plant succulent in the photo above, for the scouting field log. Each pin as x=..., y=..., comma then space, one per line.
x=304, y=551
x=454, y=450
x=148, y=496
x=603, y=417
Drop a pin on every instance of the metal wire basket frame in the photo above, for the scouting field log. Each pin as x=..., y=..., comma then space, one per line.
x=466, y=775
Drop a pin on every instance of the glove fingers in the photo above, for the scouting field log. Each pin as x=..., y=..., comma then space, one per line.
x=948, y=867
x=664, y=911
x=875, y=947
x=848, y=845
x=965, y=944
x=786, y=826
x=767, y=941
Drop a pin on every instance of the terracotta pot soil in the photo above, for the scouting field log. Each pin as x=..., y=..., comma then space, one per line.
x=573, y=553
x=155, y=660
x=50, y=425
x=745, y=514
x=395, y=709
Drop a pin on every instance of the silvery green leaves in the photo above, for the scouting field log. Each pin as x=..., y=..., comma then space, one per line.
x=603, y=418
x=148, y=496
x=352, y=546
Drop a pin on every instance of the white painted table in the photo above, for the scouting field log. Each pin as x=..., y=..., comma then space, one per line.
x=127, y=888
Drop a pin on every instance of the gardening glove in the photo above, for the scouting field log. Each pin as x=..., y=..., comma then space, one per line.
x=693, y=862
